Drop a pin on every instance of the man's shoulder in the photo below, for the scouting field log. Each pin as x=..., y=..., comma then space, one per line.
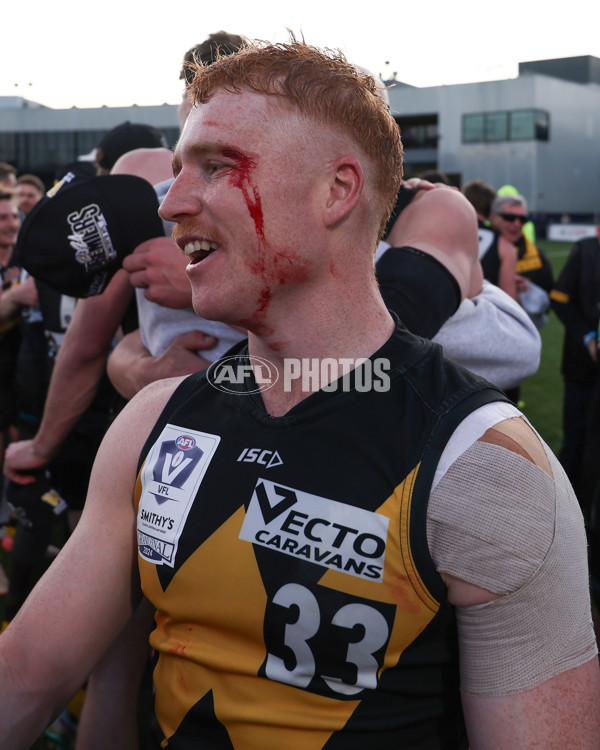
x=158, y=390
x=517, y=435
x=589, y=246
x=148, y=404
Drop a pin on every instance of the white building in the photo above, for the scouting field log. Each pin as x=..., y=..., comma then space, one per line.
x=42, y=140
x=539, y=132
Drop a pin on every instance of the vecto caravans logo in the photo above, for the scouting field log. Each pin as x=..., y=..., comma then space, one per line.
x=319, y=530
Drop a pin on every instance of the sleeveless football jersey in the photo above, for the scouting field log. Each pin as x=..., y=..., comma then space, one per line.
x=488, y=252
x=297, y=604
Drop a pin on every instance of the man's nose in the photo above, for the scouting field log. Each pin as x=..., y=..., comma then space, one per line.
x=180, y=201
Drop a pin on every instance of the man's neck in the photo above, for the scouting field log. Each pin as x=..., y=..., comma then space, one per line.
x=321, y=345
x=5, y=254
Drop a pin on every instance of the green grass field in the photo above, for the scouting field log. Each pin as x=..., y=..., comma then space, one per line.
x=543, y=393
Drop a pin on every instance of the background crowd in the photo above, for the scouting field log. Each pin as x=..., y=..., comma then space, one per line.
x=69, y=362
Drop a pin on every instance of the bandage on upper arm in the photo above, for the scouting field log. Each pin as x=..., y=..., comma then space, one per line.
x=504, y=518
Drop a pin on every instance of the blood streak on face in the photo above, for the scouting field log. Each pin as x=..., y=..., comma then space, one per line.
x=283, y=267
x=263, y=300
x=241, y=179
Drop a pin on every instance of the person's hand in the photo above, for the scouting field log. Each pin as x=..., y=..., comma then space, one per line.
x=131, y=366
x=158, y=266
x=416, y=183
x=592, y=347
x=10, y=274
x=21, y=457
x=522, y=283
x=24, y=294
x=181, y=357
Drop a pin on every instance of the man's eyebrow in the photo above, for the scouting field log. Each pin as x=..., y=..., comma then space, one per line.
x=220, y=148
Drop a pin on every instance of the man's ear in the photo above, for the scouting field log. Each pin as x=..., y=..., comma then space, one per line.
x=345, y=186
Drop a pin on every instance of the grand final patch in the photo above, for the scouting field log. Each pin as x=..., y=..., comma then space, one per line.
x=170, y=478
x=319, y=530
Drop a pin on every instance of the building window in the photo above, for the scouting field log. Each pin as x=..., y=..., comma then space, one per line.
x=493, y=127
x=473, y=128
x=46, y=153
x=419, y=131
x=529, y=124
x=496, y=126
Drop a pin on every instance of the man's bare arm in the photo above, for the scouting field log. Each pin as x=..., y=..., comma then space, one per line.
x=538, y=685
x=505, y=357
x=16, y=297
x=443, y=223
x=508, y=268
x=563, y=712
x=131, y=366
x=75, y=378
x=87, y=595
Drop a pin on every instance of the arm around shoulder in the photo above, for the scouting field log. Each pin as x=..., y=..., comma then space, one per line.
x=131, y=366
x=443, y=223
x=492, y=336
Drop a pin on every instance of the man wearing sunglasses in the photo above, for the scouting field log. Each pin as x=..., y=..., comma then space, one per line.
x=509, y=215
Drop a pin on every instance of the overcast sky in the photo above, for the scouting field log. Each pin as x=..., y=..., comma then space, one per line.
x=122, y=52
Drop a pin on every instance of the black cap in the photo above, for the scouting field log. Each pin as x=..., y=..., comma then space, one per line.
x=127, y=137
x=76, y=237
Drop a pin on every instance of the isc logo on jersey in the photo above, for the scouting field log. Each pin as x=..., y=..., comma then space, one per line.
x=317, y=529
x=265, y=458
x=171, y=475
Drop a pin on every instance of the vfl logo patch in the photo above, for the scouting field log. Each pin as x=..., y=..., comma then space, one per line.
x=322, y=531
x=90, y=238
x=170, y=478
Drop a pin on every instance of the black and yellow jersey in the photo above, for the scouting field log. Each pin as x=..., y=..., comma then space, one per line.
x=297, y=603
x=533, y=263
x=489, y=256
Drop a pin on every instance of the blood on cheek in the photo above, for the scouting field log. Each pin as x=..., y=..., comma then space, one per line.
x=284, y=266
x=241, y=178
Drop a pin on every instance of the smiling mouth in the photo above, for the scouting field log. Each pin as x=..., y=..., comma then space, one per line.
x=198, y=251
